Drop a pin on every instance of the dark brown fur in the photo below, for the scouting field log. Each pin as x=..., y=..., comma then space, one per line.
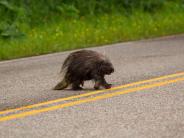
x=85, y=65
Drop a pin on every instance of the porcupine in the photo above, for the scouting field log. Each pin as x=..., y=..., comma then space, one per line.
x=85, y=65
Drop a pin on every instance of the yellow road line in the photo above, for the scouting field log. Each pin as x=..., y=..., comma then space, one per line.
x=104, y=96
x=91, y=93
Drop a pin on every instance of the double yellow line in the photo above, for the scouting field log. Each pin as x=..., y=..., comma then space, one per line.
x=146, y=84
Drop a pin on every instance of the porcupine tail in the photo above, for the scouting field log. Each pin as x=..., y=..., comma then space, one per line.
x=61, y=85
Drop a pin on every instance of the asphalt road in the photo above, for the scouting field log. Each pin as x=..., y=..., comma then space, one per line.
x=154, y=109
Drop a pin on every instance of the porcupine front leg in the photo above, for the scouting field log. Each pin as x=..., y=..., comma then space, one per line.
x=100, y=81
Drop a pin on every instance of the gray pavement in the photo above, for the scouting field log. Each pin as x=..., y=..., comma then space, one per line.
x=157, y=112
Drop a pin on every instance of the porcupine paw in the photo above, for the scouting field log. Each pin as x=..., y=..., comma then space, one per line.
x=108, y=86
x=96, y=87
x=77, y=88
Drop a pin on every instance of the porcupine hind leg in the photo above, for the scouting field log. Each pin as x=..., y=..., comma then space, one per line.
x=76, y=85
x=62, y=85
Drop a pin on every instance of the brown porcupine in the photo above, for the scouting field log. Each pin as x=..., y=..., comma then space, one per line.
x=85, y=65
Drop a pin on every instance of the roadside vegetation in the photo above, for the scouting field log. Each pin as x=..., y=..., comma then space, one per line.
x=32, y=27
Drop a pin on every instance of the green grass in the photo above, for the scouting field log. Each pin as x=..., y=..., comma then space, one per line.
x=93, y=31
